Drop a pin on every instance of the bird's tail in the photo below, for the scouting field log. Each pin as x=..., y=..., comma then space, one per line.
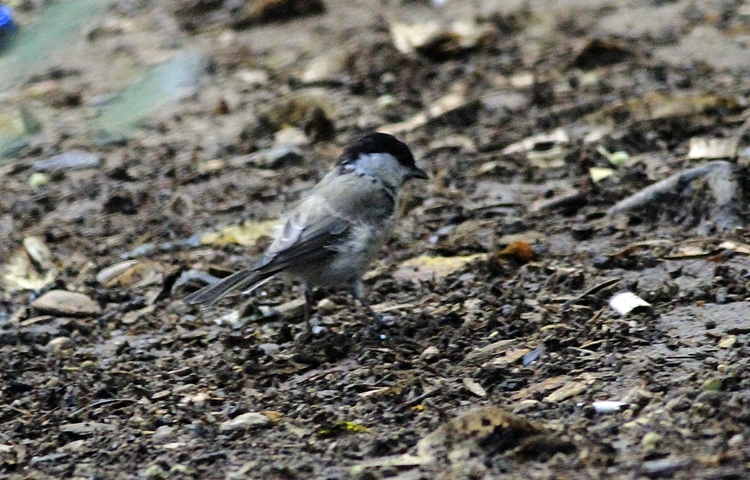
x=244, y=280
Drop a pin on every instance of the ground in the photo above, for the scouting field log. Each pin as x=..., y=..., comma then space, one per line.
x=190, y=126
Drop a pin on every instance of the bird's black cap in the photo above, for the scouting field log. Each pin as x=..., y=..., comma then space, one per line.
x=379, y=143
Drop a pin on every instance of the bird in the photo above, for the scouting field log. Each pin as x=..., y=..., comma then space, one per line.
x=330, y=238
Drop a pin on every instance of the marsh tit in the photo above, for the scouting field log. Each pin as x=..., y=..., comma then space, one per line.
x=334, y=233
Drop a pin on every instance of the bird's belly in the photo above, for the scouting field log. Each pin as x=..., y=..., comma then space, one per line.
x=347, y=264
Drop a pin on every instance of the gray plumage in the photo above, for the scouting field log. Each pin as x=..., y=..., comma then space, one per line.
x=336, y=231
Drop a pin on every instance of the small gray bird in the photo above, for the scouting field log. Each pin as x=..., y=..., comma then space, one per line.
x=332, y=236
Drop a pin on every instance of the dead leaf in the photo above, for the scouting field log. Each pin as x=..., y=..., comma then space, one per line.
x=435, y=39
x=569, y=390
x=475, y=388
x=424, y=268
x=20, y=273
x=451, y=102
x=248, y=233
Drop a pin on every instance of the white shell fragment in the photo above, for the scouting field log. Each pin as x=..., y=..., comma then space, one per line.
x=712, y=148
x=609, y=406
x=625, y=302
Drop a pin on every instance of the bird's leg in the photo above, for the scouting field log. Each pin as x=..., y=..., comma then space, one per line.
x=358, y=291
x=308, y=306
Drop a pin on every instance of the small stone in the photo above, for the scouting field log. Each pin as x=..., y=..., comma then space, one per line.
x=318, y=330
x=474, y=387
x=324, y=68
x=736, y=440
x=154, y=472
x=728, y=342
x=326, y=306
x=38, y=179
x=291, y=309
x=269, y=349
x=75, y=160
x=60, y=343
x=137, y=421
x=253, y=77
x=721, y=295
x=525, y=406
x=651, y=440
x=712, y=385
x=569, y=390
x=290, y=136
x=245, y=422
x=61, y=302
x=87, y=428
x=277, y=157
x=197, y=401
x=88, y=366
x=430, y=353
x=665, y=467
x=163, y=434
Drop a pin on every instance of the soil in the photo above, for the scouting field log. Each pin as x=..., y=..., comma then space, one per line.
x=511, y=309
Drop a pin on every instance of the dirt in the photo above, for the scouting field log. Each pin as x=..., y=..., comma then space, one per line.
x=504, y=343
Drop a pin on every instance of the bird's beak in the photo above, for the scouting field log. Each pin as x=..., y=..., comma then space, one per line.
x=419, y=173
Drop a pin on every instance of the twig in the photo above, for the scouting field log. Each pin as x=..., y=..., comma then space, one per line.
x=105, y=401
x=417, y=400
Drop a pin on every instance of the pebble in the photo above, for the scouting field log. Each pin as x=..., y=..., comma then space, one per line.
x=154, y=472
x=74, y=160
x=61, y=302
x=664, y=467
x=736, y=440
x=525, y=406
x=430, y=353
x=253, y=78
x=570, y=389
x=712, y=385
x=88, y=366
x=651, y=440
x=326, y=306
x=728, y=342
x=601, y=262
x=60, y=343
x=269, y=349
x=244, y=422
x=276, y=157
x=290, y=136
x=163, y=434
x=38, y=179
x=86, y=428
x=318, y=330
x=291, y=309
x=325, y=68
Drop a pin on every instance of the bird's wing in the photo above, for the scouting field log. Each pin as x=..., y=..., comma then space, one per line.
x=319, y=225
x=304, y=238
